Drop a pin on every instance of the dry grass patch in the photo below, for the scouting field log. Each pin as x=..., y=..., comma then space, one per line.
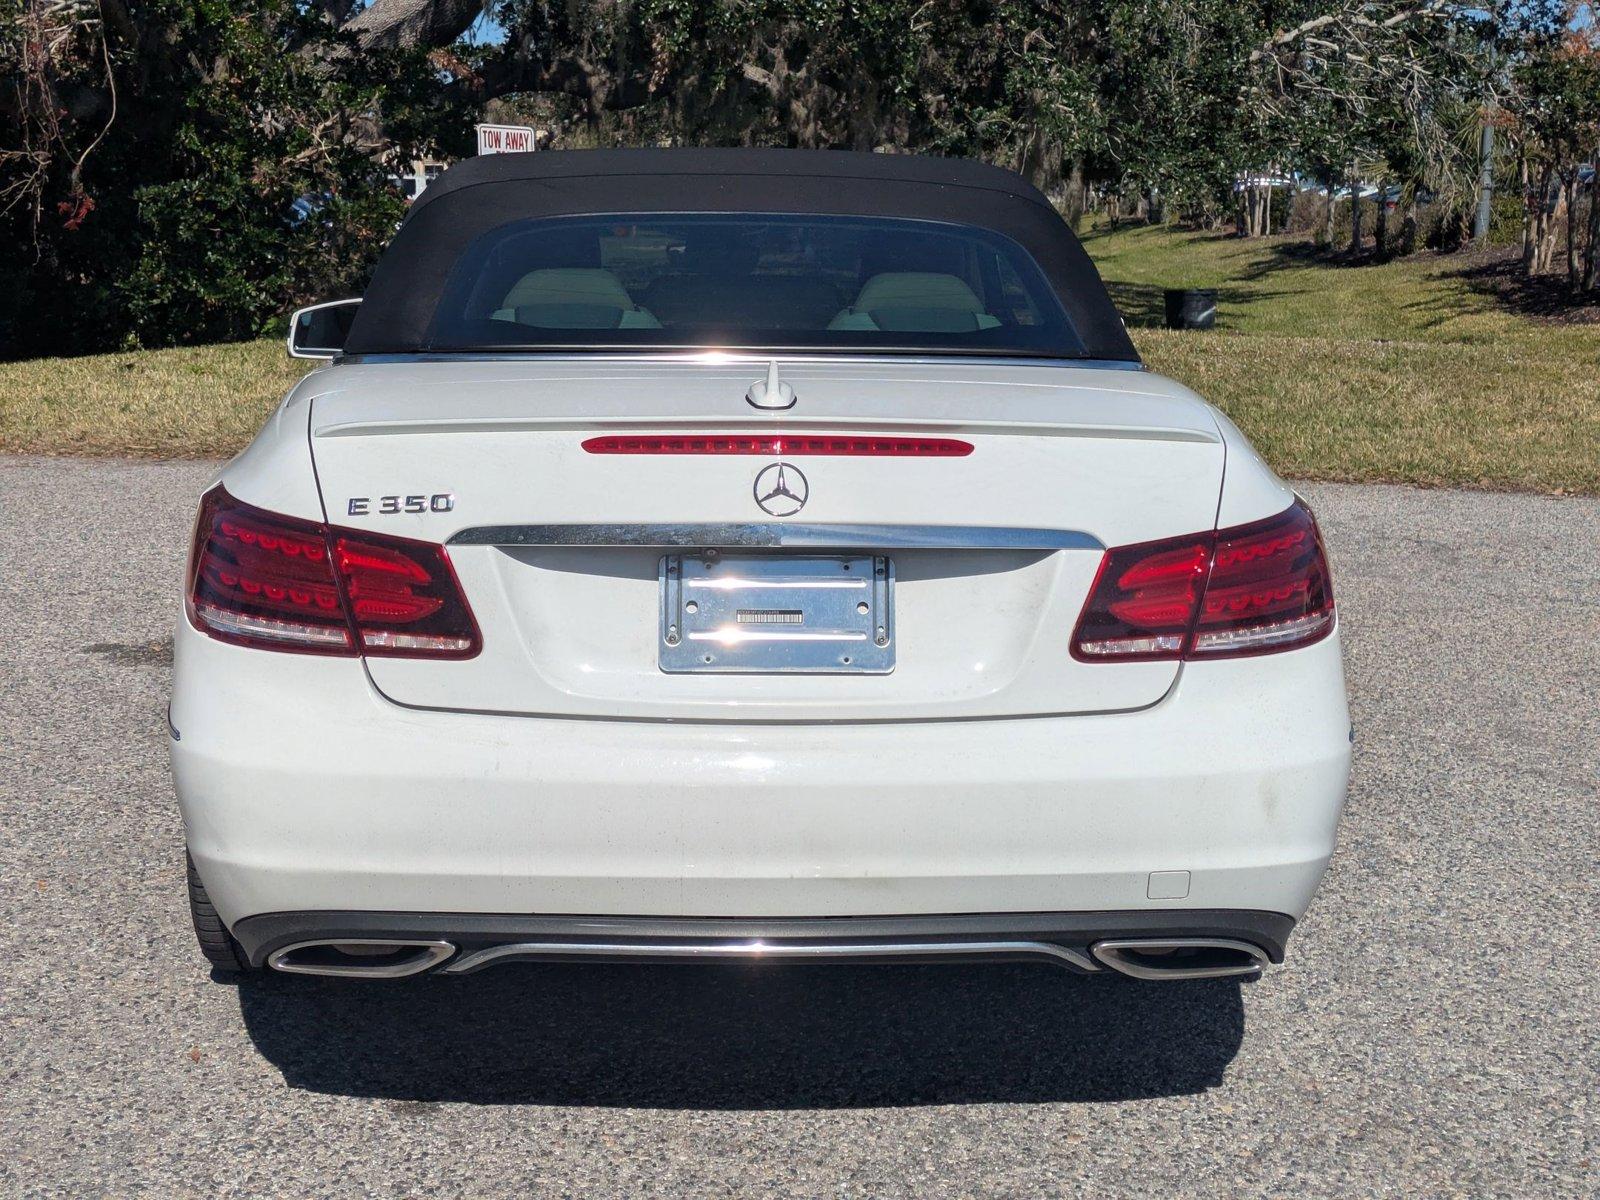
x=203, y=401
x=1433, y=413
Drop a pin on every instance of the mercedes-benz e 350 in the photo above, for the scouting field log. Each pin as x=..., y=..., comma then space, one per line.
x=708, y=555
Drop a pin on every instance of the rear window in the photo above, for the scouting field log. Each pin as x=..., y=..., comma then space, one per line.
x=749, y=281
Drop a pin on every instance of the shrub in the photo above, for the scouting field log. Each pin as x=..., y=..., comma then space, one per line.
x=185, y=229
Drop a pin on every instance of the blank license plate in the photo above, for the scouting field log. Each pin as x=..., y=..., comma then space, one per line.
x=777, y=614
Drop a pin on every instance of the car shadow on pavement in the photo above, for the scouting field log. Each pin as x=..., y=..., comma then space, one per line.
x=747, y=1037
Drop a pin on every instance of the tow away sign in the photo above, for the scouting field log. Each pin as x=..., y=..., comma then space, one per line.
x=505, y=139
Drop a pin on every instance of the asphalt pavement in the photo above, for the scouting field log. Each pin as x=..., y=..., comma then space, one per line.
x=1435, y=1032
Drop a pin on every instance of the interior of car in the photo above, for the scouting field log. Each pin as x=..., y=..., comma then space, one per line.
x=714, y=275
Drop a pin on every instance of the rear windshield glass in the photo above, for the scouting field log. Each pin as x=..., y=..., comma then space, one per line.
x=749, y=281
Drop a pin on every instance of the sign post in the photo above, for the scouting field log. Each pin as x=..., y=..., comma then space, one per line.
x=505, y=139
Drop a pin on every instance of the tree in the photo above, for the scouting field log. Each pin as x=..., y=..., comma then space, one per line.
x=1371, y=90
x=183, y=169
x=157, y=150
x=1554, y=123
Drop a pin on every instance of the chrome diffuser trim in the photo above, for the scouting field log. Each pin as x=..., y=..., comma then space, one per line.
x=782, y=537
x=429, y=954
x=1113, y=954
x=760, y=950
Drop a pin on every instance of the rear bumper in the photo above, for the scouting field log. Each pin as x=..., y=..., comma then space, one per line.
x=479, y=941
x=304, y=791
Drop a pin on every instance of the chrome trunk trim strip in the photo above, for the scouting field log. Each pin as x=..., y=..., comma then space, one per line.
x=767, y=536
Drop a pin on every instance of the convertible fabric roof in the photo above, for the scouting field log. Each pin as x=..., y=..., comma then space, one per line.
x=481, y=194
x=621, y=165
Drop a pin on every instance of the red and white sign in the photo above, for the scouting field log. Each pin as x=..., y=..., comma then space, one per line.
x=505, y=139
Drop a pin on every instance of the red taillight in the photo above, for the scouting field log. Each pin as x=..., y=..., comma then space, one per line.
x=1246, y=590
x=260, y=579
x=772, y=445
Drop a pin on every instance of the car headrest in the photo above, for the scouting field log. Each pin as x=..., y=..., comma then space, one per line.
x=568, y=285
x=919, y=289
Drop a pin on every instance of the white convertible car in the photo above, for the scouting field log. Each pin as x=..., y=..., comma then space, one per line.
x=756, y=555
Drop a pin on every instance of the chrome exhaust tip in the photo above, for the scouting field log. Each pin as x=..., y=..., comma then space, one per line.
x=1181, y=958
x=360, y=958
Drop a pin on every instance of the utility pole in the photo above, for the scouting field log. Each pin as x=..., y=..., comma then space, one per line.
x=1480, y=222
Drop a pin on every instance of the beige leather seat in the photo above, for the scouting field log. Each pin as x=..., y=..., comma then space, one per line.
x=572, y=297
x=909, y=293
x=917, y=289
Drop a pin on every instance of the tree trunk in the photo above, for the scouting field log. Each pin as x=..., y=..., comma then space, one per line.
x=1408, y=226
x=1553, y=203
x=1266, y=210
x=1327, y=218
x=1380, y=232
x=386, y=24
x=1529, y=218
x=1572, y=219
x=1591, y=253
x=1074, y=200
x=1533, y=251
x=1355, y=215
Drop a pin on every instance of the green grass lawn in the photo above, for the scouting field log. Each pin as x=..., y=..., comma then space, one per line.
x=1406, y=372
x=195, y=402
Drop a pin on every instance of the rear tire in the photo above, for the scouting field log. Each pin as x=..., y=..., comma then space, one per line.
x=216, y=943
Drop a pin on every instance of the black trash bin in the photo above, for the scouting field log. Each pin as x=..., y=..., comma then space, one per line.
x=1191, y=308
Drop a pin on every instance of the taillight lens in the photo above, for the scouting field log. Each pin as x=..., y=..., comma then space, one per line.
x=1142, y=603
x=260, y=579
x=1250, y=589
x=1269, y=588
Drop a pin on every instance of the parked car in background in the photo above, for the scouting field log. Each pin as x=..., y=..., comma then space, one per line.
x=749, y=555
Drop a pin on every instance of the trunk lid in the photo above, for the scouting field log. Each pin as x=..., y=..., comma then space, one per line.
x=1096, y=456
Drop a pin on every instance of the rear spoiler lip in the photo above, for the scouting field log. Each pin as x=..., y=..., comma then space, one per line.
x=791, y=422
x=694, y=356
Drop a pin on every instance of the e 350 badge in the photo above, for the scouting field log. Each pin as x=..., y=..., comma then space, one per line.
x=363, y=506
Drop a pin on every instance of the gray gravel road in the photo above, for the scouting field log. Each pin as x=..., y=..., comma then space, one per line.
x=1435, y=1032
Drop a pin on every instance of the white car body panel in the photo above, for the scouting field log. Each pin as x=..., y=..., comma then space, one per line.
x=574, y=777
x=1117, y=455
x=276, y=468
x=769, y=668
x=1252, y=490
x=303, y=788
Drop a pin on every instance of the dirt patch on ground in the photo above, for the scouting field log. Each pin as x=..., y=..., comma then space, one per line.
x=1497, y=271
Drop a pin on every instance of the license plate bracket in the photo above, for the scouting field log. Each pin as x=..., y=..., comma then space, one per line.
x=777, y=614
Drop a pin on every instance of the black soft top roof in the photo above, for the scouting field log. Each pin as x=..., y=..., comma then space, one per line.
x=842, y=166
x=481, y=194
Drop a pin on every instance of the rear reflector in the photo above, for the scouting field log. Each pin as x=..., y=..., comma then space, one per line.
x=1251, y=589
x=260, y=579
x=771, y=445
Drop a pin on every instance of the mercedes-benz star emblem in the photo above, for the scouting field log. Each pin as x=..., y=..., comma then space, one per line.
x=781, y=489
